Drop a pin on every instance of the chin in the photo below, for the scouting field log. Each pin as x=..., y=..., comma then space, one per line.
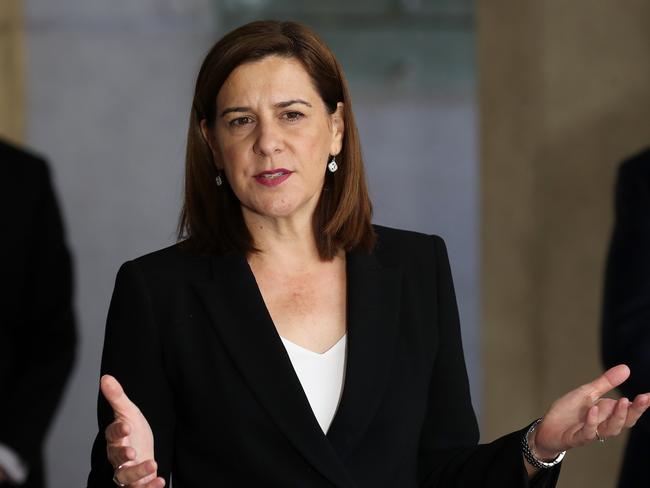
x=280, y=209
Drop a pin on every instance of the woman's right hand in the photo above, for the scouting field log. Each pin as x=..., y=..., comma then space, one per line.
x=129, y=440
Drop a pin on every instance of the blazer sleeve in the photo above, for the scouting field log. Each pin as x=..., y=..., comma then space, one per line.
x=626, y=305
x=133, y=354
x=44, y=341
x=449, y=454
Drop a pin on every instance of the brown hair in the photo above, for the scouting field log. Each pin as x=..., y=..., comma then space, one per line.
x=211, y=220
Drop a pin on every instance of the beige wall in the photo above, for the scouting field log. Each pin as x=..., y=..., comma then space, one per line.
x=12, y=103
x=563, y=89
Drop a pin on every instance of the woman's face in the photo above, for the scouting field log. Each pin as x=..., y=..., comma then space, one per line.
x=273, y=137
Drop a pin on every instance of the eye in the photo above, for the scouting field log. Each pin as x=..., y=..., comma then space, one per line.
x=292, y=116
x=240, y=121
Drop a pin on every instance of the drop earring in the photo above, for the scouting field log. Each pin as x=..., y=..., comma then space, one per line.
x=332, y=166
x=218, y=179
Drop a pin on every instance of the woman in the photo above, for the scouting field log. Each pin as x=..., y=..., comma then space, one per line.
x=286, y=341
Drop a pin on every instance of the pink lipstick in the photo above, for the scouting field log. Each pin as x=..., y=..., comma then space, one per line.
x=273, y=177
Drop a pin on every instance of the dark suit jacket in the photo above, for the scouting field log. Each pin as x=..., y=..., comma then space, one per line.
x=37, y=333
x=195, y=348
x=626, y=313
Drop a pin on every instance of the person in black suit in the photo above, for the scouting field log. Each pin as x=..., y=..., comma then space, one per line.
x=222, y=362
x=37, y=330
x=626, y=310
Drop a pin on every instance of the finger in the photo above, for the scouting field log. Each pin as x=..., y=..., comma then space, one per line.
x=116, y=431
x=128, y=475
x=616, y=421
x=588, y=431
x=637, y=408
x=119, y=455
x=606, y=407
x=114, y=394
x=609, y=380
x=157, y=483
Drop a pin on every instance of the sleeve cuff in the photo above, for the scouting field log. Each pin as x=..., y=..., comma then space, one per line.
x=13, y=466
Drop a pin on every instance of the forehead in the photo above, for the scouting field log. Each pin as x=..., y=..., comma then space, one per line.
x=271, y=79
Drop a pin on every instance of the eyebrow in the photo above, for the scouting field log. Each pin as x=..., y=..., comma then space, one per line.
x=277, y=105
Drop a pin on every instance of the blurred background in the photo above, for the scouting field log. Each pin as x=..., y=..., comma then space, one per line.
x=498, y=125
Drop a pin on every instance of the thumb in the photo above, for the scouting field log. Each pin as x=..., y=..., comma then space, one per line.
x=115, y=396
x=609, y=380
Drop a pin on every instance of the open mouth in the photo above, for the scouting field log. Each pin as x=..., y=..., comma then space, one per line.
x=270, y=176
x=273, y=177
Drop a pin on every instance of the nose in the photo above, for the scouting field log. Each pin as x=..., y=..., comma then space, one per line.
x=269, y=139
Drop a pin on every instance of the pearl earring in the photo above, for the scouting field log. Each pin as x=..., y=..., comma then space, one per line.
x=332, y=166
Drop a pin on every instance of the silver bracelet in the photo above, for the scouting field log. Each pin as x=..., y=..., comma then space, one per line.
x=530, y=455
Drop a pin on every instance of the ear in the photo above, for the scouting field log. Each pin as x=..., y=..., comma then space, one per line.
x=209, y=140
x=337, y=126
x=205, y=131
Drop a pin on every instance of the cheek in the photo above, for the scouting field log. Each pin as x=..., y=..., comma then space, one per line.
x=232, y=158
x=317, y=147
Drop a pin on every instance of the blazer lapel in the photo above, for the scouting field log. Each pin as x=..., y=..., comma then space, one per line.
x=374, y=294
x=241, y=320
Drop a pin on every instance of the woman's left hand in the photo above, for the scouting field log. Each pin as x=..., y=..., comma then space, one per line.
x=582, y=415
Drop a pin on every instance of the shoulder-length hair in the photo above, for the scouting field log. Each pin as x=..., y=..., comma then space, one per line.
x=211, y=220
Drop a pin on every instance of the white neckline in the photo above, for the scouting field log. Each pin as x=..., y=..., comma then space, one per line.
x=298, y=347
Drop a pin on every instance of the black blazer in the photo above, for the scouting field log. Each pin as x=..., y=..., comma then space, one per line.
x=37, y=330
x=626, y=312
x=195, y=348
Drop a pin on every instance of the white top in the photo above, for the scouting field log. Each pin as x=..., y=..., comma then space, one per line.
x=321, y=377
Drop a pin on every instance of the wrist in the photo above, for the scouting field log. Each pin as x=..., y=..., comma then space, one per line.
x=538, y=451
x=537, y=457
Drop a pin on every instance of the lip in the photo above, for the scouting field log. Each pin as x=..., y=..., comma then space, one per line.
x=273, y=177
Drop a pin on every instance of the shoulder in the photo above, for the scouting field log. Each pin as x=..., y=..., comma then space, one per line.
x=22, y=164
x=171, y=265
x=25, y=177
x=633, y=186
x=637, y=166
x=399, y=246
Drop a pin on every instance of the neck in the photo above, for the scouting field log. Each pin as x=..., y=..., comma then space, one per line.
x=285, y=242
